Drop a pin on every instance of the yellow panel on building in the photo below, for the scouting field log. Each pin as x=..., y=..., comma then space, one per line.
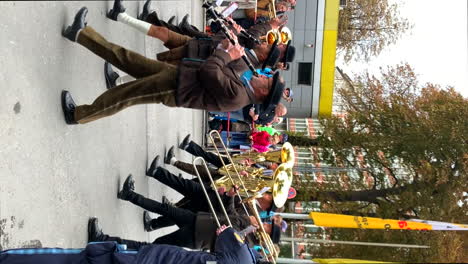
x=328, y=58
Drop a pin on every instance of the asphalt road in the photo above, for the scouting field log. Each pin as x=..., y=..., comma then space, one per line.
x=53, y=177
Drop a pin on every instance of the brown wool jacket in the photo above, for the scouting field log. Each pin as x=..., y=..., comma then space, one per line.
x=211, y=85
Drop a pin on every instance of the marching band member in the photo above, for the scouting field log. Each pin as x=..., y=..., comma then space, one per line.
x=196, y=230
x=210, y=85
x=181, y=46
x=230, y=248
x=253, y=113
x=191, y=189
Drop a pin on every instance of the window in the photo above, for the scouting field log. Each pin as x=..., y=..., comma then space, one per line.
x=305, y=73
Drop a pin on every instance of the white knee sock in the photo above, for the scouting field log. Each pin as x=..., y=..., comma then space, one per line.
x=139, y=25
x=173, y=160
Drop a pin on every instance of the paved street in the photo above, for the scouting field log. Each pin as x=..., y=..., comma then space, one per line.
x=53, y=177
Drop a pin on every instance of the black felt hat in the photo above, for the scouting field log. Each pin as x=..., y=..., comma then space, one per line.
x=276, y=91
x=289, y=53
x=273, y=56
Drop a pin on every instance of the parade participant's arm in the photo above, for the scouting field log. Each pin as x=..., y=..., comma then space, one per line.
x=211, y=72
x=260, y=29
x=230, y=208
x=235, y=26
x=252, y=114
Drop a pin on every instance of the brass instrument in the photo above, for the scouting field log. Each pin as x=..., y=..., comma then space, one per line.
x=284, y=155
x=286, y=35
x=228, y=173
x=206, y=193
x=264, y=238
x=272, y=9
x=278, y=184
x=283, y=36
x=252, y=183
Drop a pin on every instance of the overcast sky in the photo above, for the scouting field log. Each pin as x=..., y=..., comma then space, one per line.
x=437, y=47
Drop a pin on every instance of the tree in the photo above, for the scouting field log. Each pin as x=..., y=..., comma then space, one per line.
x=399, y=127
x=366, y=27
x=299, y=139
x=411, y=140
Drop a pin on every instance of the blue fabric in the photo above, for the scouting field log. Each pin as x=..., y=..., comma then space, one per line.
x=40, y=251
x=232, y=250
x=248, y=74
x=235, y=115
x=265, y=214
x=237, y=139
x=94, y=253
x=228, y=250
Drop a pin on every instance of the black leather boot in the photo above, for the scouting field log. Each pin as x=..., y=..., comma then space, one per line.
x=68, y=108
x=146, y=10
x=154, y=165
x=190, y=30
x=94, y=231
x=153, y=19
x=127, y=189
x=147, y=221
x=116, y=10
x=71, y=32
x=169, y=155
x=110, y=75
x=185, y=142
x=171, y=20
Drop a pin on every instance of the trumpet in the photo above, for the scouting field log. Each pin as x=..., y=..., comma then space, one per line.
x=268, y=247
x=282, y=36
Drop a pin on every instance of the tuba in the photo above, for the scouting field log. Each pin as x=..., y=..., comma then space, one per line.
x=278, y=184
x=283, y=155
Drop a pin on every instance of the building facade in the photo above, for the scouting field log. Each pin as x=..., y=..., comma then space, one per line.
x=314, y=24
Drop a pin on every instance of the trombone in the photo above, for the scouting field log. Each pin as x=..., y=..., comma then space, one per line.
x=272, y=9
x=230, y=160
x=264, y=238
x=266, y=243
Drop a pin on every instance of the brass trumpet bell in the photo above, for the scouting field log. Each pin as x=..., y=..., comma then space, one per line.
x=282, y=181
x=282, y=36
x=286, y=35
x=272, y=36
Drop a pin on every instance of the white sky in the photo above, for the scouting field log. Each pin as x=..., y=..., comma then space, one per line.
x=436, y=47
